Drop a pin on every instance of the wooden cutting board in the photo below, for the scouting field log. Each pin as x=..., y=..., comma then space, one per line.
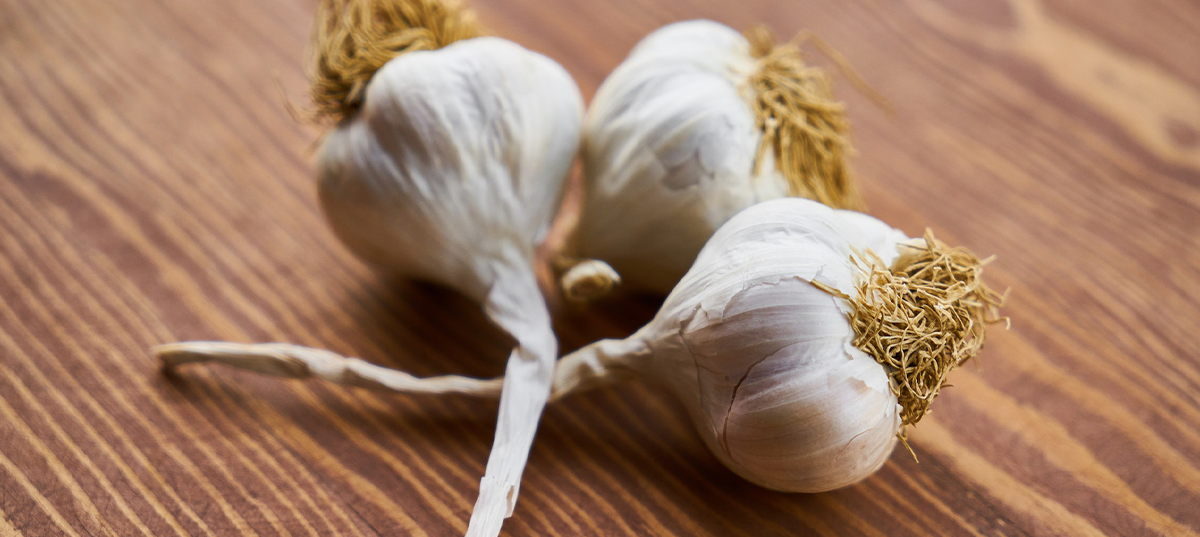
x=154, y=188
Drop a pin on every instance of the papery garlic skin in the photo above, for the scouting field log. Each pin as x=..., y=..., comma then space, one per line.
x=451, y=173
x=763, y=359
x=669, y=154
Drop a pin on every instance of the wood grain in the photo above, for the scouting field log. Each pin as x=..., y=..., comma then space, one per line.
x=154, y=188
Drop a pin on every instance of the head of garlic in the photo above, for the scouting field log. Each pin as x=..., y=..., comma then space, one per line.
x=778, y=343
x=764, y=360
x=698, y=123
x=801, y=343
x=451, y=172
x=455, y=163
x=446, y=163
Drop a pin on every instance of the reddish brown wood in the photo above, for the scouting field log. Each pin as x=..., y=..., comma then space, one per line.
x=154, y=188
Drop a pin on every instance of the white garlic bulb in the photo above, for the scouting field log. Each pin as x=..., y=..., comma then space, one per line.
x=456, y=162
x=801, y=342
x=448, y=167
x=695, y=125
x=772, y=339
x=763, y=360
x=452, y=173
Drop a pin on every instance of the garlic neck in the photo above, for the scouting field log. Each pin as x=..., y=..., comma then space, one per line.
x=514, y=302
x=600, y=363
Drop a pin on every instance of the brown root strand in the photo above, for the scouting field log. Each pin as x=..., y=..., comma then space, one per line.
x=801, y=123
x=352, y=39
x=924, y=317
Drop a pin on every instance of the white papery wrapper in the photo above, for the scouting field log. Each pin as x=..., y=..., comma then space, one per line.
x=669, y=154
x=763, y=359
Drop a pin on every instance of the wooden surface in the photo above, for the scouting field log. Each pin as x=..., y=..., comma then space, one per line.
x=154, y=188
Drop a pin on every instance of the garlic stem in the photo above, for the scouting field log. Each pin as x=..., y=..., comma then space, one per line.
x=585, y=280
x=602, y=362
x=294, y=361
x=516, y=305
x=599, y=363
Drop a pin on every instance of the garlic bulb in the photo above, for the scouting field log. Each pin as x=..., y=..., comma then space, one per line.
x=695, y=125
x=452, y=173
x=801, y=342
x=447, y=164
x=763, y=360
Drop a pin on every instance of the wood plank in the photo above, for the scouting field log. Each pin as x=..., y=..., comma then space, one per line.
x=153, y=188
